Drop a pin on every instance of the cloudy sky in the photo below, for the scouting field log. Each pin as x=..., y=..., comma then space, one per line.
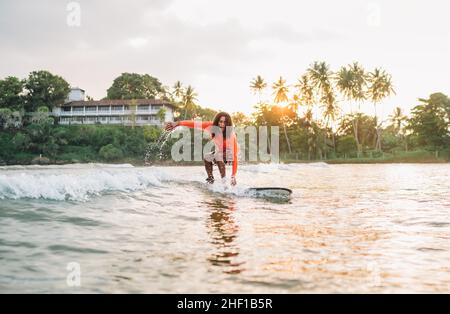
x=219, y=46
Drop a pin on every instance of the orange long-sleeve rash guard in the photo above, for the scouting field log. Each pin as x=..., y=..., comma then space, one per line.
x=207, y=126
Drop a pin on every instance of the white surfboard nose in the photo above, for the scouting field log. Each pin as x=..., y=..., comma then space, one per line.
x=273, y=192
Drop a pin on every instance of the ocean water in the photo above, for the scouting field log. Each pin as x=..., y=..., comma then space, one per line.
x=117, y=228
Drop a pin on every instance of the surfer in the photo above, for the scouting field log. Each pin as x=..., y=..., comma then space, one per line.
x=225, y=143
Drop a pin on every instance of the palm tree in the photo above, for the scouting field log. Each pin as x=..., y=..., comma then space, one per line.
x=344, y=83
x=380, y=87
x=280, y=90
x=305, y=92
x=257, y=86
x=319, y=73
x=178, y=90
x=330, y=112
x=133, y=107
x=359, y=92
x=294, y=103
x=352, y=82
x=189, y=98
x=397, y=118
x=161, y=115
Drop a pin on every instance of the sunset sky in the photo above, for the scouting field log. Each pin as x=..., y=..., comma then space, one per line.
x=219, y=46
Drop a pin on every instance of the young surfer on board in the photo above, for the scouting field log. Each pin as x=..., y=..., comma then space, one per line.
x=225, y=143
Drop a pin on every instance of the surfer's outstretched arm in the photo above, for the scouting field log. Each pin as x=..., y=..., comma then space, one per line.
x=190, y=124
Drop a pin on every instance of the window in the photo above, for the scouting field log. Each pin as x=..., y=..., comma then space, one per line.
x=103, y=108
x=91, y=109
x=143, y=107
x=116, y=108
x=156, y=107
x=78, y=109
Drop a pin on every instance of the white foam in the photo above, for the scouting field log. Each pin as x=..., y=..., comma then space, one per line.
x=80, y=182
x=68, y=166
x=76, y=184
x=264, y=168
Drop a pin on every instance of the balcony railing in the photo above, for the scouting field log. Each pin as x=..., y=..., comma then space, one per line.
x=115, y=122
x=103, y=113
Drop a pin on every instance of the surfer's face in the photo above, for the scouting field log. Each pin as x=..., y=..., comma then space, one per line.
x=222, y=122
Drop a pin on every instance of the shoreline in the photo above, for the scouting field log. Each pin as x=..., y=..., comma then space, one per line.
x=356, y=161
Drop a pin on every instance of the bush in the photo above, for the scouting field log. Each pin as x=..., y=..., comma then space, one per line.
x=78, y=153
x=151, y=133
x=417, y=154
x=6, y=146
x=110, y=153
x=23, y=158
x=390, y=142
x=21, y=142
x=346, y=145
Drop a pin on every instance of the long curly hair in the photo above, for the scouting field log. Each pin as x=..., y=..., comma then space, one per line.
x=228, y=124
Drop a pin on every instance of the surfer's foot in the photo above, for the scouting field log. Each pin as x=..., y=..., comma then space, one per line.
x=221, y=166
x=210, y=180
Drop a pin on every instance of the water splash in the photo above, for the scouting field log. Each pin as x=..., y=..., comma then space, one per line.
x=76, y=184
x=156, y=149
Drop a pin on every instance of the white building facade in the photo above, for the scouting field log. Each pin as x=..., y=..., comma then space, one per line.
x=136, y=112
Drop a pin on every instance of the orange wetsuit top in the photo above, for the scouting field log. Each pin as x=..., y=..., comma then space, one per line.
x=218, y=140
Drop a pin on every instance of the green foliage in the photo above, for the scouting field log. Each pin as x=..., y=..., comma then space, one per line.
x=5, y=116
x=151, y=133
x=206, y=114
x=346, y=145
x=194, y=111
x=430, y=122
x=42, y=116
x=50, y=148
x=161, y=115
x=110, y=153
x=10, y=93
x=6, y=146
x=39, y=132
x=136, y=86
x=78, y=154
x=21, y=142
x=392, y=140
x=365, y=126
x=22, y=158
x=44, y=89
x=308, y=136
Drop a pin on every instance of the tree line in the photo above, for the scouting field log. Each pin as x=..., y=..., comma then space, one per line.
x=320, y=116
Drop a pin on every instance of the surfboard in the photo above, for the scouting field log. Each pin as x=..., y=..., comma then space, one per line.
x=275, y=192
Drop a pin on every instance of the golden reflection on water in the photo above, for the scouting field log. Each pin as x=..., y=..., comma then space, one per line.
x=342, y=248
x=223, y=231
